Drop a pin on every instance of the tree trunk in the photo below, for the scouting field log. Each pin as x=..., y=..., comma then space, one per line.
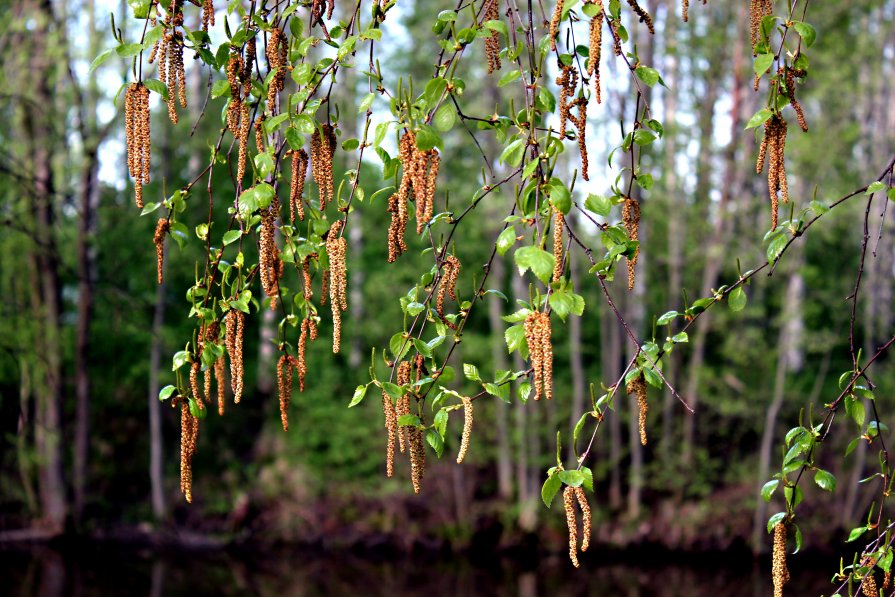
x=499, y=358
x=788, y=358
x=156, y=439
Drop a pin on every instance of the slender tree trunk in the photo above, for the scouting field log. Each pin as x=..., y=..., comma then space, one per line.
x=499, y=358
x=787, y=358
x=156, y=439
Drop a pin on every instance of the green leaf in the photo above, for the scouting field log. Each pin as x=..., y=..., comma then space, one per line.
x=231, y=236
x=680, y=337
x=435, y=440
x=471, y=372
x=776, y=247
x=140, y=8
x=648, y=75
x=264, y=164
x=759, y=118
x=773, y=520
x=737, y=299
x=408, y=420
x=565, y=302
x=513, y=153
x=509, y=77
x=515, y=337
x=158, y=87
x=506, y=240
x=874, y=187
x=571, y=478
x=825, y=480
x=599, y=204
x=445, y=118
x=763, y=63
x=499, y=391
x=359, y=394
x=366, y=102
x=559, y=195
x=128, y=50
x=441, y=421
x=220, y=88
x=807, y=33
x=767, y=490
x=197, y=410
x=667, y=318
x=652, y=378
x=99, y=60
x=399, y=345
x=588, y=478
x=495, y=25
x=549, y=489
x=856, y=533
x=538, y=260
x=427, y=139
x=166, y=392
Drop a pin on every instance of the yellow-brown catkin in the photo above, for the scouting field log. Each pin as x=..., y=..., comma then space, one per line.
x=284, y=385
x=887, y=581
x=538, y=336
x=207, y=14
x=398, y=209
x=425, y=195
x=637, y=386
x=322, y=148
x=585, y=518
x=137, y=136
x=631, y=219
x=758, y=9
x=402, y=408
x=308, y=291
x=868, y=585
x=616, y=38
x=233, y=333
x=581, y=126
x=174, y=75
x=467, y=429
x=417, y=458
x=567, y=81
x=336, y=247
x=642, y=15
x=259, y=133
x=779, y=571
x=595, y=49
x=685, y=10
x=161, y=229
x=492, y=42
x=558, y=223
x=277, y=61
x=447, y=285
x=302, y=364
x=790, y=77
x=297, y=186
x=269, y=263
x=554, y=23
x=391, y=426
x=568, y=498
x=324, y=287
x=189, y=428
x=243, y=138
x=220, y=379
x=195, y=368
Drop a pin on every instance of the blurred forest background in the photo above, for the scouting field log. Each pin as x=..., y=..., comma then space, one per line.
x=86, y=334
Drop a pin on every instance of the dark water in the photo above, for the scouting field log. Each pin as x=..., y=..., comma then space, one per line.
x=89, y=570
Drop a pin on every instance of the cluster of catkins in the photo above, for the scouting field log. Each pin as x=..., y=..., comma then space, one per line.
x=323, y=145
x=570, y=495
x=772, y=146
x=468, y=416
x=568, y=84
x=297, y=184
x=758, y=9
x=189, y=437
x=239, y=75
x=168, y=51
x=409, y=438
x=540, y=350
x=447, y=285
x=277, y=61
x=595, y=42
x=136, y=133
x=558, y=225
x=417, y=181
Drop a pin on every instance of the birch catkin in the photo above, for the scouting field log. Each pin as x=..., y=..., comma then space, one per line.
x=467, y=428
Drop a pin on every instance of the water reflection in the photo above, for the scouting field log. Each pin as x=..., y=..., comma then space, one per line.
x=89, y=570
